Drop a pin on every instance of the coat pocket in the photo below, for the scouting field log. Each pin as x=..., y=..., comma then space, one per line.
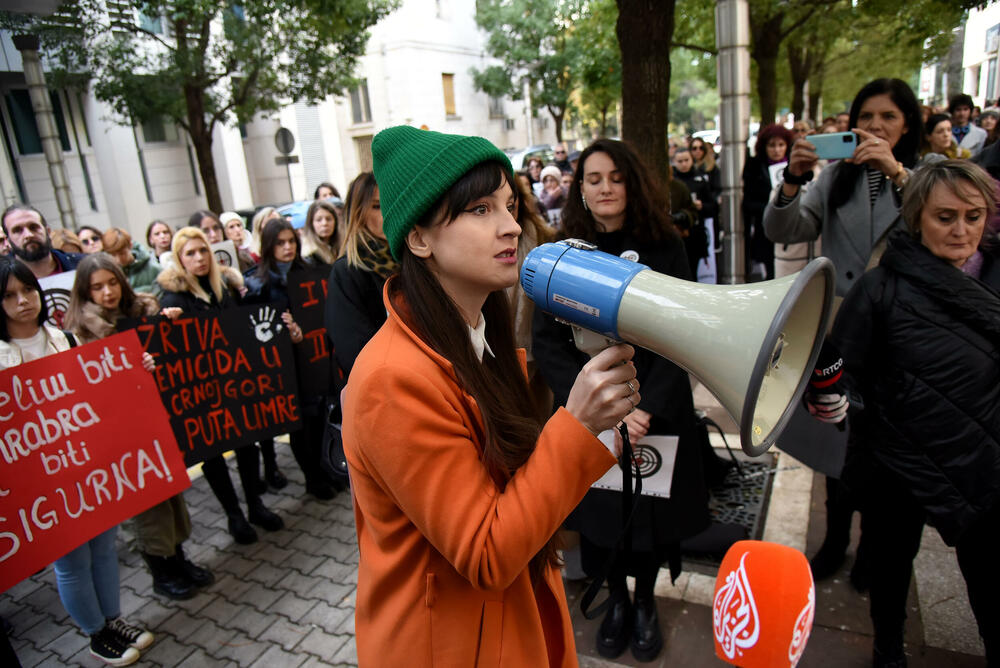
x=490, y=633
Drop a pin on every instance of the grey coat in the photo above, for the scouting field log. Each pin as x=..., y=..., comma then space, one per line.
x=849, y=233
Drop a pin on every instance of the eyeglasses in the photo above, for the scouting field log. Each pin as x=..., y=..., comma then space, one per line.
x=560, y=152
x=697, y=148
x=89, y=241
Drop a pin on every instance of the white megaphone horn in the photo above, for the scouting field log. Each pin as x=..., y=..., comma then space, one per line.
x=753, y=346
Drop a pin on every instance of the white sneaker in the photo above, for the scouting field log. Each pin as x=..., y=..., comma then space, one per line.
x=132, y=636
x=107, y=646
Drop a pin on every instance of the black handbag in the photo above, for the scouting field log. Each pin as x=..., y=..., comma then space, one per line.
x=332, y=459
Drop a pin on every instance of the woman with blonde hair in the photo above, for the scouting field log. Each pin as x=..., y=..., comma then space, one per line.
x=265, y=215
x=321, y=240
x=354, y=310
x=197, y=284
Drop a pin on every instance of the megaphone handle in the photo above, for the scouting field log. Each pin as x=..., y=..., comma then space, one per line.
x=591, y=342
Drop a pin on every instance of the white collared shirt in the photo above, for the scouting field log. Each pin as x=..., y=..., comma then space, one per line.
x=478, y=336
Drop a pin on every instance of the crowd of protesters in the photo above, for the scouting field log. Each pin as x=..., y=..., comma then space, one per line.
x=452, y=437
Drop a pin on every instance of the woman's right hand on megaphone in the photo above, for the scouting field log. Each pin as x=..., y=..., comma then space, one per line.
x=605, y=390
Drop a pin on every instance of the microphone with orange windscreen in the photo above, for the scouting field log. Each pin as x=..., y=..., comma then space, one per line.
x=764, y=605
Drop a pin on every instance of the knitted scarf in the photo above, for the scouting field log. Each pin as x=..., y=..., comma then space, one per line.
x=375, y=256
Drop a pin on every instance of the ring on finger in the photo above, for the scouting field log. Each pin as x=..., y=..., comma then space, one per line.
x=629, y=397
x=631, y=387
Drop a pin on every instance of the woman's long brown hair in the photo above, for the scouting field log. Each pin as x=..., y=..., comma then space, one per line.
x=511, y=420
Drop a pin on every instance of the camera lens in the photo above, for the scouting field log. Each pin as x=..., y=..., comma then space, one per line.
x=847, y=139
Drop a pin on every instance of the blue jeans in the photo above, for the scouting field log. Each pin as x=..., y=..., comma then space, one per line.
x=88, y=582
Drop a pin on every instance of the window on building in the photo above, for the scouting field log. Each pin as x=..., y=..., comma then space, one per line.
x=158, y=130
x=448, y=85
x=496, y=107
x=361, y=108
x=22, y=118
x=363, y=145
x=991, y=78
x=153, y=24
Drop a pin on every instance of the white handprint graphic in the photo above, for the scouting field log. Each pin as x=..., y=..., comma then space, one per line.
x=264, y=325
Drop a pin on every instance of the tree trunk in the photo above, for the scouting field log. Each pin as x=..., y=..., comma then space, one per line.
x=557, y=118
x=766, y=38
x=604, y=121
x=201, y=137
x=645, y=30
x=816, y=95
x=798, y=65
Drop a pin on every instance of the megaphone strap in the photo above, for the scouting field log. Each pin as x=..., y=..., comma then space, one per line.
x=623, y=546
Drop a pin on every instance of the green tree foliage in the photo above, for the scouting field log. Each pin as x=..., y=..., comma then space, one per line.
x=599, y=70
x=199, y=63
x=533, y=41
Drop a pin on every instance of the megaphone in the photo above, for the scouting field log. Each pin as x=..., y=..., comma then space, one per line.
x=753, y=346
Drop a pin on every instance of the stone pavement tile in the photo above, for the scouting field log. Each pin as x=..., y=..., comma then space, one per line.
x=210, y=637
x=279, y=538
x=23, y=588
x=943, y=598
x=316, y=662
x=53, y=661
x=238, y=566
x=336, y=571
x=227, y=586
x=199, y=659
x=342, y=532
x=347, y=626
x=68, y=644
x=221, y=611
x=195, y=604
x=152, y=614
x=29, y=656
x=327, y=617
x=242, y=649
x=130, y=601
x=303, y=523
x=43, y=632
x=347, y=655
x=181, y=625
x=299, y=583
x=258, y=596
x=284, y=632
x=46, y=601
x=304, y=562
x=275, y=657
x=167, y=651
x=266, y=573
x=272, y=554
x=251, y=621
x=322, y=644
x=343, y=552
x=22, y=618
x=307, y=543
x=292, y=606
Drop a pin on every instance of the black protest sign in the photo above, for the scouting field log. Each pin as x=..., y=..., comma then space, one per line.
x=226, y=378
x=307, y=297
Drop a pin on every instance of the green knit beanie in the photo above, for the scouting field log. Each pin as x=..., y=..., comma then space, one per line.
x=413, y=168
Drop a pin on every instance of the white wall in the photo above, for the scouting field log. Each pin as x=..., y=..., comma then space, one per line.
x=975, y=59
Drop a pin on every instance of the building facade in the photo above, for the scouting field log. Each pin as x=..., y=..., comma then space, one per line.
x=416, y=71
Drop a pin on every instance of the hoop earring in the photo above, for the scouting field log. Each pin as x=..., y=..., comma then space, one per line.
x=583, y=198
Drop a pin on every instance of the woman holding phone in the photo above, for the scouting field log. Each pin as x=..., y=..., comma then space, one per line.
x=459, y=487
x=854, y=203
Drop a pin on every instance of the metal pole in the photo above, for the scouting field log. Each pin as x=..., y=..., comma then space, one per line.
x=34, y=75
x=732, y=35
x=528, y=115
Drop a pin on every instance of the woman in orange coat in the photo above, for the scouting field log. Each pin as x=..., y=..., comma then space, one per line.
x=459, y=488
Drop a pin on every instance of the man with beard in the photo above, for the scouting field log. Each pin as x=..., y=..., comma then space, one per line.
x=28, y=235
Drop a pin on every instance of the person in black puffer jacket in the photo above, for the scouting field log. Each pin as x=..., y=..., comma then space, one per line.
x=920, y=336
x=280, y=253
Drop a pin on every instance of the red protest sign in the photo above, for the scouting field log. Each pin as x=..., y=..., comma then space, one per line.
x=85, y=444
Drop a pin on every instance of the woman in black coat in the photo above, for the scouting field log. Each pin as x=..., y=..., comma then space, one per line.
x=197, y=284
x=280, y=253
x=773, y=145
x=354, y=308
x=920, y=337
x=615, y=204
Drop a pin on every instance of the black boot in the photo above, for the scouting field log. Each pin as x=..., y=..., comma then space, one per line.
x=240, y=529
x=272, y=475
x=612, y=635
x=833, y=552
x=647, y=640
x=166, y=581
x=319, y=488
x=258, y=514
x=194, y=574
x=217, y=474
